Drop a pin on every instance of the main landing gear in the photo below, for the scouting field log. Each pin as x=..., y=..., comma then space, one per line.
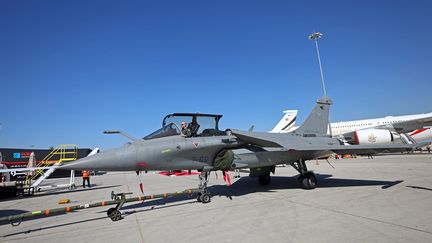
x=204, y=194
x=306, y=178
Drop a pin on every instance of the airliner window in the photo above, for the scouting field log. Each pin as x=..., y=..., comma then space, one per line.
x=166, y=131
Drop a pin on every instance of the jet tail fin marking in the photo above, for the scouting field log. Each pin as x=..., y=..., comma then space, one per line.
x=286, y=124
x=317, y=123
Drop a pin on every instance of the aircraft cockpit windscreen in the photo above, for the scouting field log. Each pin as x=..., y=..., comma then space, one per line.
x=206, y=123
x=200, y=125
x=170, y=129
x=178, y=120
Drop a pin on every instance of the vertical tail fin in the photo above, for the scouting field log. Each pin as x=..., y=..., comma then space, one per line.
x=317, y=123
x=287, y=122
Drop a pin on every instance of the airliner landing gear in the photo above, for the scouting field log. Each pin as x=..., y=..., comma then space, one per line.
x=203, y=195
x=307, y=178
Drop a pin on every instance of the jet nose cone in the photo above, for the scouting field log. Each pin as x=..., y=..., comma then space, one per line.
x=121, y=159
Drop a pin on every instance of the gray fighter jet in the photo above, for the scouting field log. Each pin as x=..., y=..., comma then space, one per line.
x=206, y=148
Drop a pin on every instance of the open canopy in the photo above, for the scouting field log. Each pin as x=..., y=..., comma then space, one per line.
x=201, y=125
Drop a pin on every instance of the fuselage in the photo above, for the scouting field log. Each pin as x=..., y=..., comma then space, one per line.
x=339, y=128
x=419, y=135
x=167, y=153
x=197, y=153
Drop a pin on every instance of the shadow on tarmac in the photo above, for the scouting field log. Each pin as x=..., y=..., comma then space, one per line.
x=421, y=188
x=58, y=192
x=243, y=186
x=247, y=185
x=10, y=212
x=51, y=227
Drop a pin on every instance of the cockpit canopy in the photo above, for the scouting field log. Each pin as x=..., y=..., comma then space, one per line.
x=200, y=125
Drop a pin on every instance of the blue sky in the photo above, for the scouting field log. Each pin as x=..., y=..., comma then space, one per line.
x=71, y=69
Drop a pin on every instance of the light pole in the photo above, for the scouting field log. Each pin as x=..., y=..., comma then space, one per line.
x=315, y=36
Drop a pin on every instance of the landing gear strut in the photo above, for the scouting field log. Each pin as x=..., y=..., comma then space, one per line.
x=203, y=195
x=307, y=178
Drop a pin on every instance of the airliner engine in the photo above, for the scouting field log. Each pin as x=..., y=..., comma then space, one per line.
x=373, y=136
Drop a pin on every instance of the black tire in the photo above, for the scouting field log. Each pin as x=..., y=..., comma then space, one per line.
x=205, y=198
x=115, y=215
x=110, y=211
x=309, y=181
x=264, y=180
x=199, y=197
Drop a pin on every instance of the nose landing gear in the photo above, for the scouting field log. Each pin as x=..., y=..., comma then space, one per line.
x=204, y=195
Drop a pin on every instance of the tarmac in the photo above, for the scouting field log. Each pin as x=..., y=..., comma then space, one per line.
x=385, y=199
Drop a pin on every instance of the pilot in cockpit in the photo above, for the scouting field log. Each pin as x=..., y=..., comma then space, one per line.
x=185, y=131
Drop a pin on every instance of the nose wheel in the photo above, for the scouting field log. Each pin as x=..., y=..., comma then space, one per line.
x=204, y=198
x=204, y=195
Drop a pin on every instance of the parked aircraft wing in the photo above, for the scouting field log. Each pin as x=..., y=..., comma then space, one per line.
x=411, y=125
x=367, y=149
x=270, y=140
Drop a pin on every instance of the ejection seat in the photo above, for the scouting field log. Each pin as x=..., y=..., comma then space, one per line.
x=193, y=127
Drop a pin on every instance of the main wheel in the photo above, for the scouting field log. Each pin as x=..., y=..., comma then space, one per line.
x=308, y=181
x=264, y=180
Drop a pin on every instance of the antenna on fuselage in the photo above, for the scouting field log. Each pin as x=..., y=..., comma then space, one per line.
x=121, y=133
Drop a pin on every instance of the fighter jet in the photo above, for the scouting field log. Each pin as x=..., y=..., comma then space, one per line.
x=206, y=148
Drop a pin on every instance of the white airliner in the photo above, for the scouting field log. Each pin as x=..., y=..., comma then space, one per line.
x=408, y=129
